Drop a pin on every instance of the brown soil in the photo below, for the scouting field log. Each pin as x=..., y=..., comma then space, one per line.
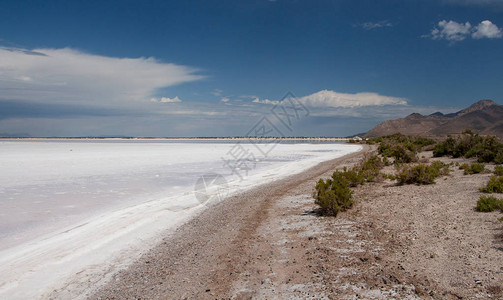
x=398, y=242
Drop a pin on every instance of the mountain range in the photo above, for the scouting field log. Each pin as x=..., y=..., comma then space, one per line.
x=483, y=117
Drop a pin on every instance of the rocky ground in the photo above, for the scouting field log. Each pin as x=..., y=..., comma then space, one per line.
x=403, y=242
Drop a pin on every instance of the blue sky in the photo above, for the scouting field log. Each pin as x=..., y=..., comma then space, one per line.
x=214, y=68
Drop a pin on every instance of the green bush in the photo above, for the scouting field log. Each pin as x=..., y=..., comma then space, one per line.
x=474, y=168
x=464, y=166
x=485, y=149
x=402, y=148
x=498, y=170
x=403, y=154
x=421, y=173
x=352, y=177
x=495, y=185
x=498, y=159
x=333, y=196
x=370, y=167
x=423, y=142
x=444, y=148
x=489, y=203
x=442, y=168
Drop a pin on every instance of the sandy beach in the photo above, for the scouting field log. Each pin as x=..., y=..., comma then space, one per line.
x=403, y=242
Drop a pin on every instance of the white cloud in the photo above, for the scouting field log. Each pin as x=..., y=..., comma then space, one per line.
x=266, y=101
x=327, y=98
x=374, y=25
x=486, y=29
x=455, y=32
x=166, y=100
x=70, y=76
x=451, y=31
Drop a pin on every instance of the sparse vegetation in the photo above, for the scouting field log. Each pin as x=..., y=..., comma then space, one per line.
x=489, y=203
x=495, y=185
x=334, y=194
x=421, y=173
x=498, y=170
x=485, y=149
x=474, y=168
x=370, y=167
x=403, y=149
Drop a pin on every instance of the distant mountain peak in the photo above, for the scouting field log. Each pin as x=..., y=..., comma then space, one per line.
x=479, y=105
x=415, y=115
x=484, y=117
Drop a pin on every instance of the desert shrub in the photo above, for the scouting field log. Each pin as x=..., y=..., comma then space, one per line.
x=464, y=166
x=384, y=149
x=485, y=149
x=401, y=147
x=390, y=176
x=421, y=173
x=489, y=203
x=443, y=169
x=495, y=185
x=333, y=195
x=498, y=170
x=423, y=142
x=352, y=177
x=474, y=168
x=370, y=167
x=498, y=159
x=403, y=154
x=444, y=148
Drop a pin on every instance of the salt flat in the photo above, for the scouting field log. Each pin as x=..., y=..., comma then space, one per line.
x=87, y=206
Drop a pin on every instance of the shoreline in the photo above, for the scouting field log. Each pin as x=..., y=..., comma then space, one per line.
x=61, y=256
x=401, y=242
x=195, y=258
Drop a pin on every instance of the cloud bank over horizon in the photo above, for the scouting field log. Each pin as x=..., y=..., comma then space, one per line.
x=71, y=76
x=329, y=98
